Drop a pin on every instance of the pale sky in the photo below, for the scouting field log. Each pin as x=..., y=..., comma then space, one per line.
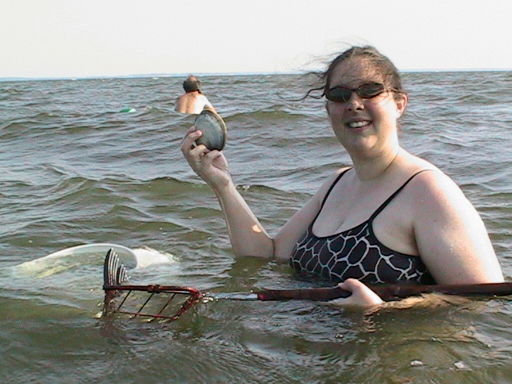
x=80, y=38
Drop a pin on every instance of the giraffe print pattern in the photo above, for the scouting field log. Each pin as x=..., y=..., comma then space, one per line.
x=356, y=253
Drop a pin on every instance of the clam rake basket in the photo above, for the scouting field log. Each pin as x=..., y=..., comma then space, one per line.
x=169, y=302
x=149, y=301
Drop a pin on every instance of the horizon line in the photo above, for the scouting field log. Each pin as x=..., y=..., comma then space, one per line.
x=206, y=74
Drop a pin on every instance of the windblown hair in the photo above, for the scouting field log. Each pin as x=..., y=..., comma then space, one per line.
x=380, y=62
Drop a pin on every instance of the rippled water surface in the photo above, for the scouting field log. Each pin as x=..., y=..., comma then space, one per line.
x=75, y=170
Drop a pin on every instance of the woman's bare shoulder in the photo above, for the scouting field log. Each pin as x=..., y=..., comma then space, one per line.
x=433, y=183
x=327, y=184
x=430, y=191
x=427, y=179
x=437, y=203
x=331, y=179
x=450, y=234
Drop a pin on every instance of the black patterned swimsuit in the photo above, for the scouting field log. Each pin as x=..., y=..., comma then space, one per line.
x=357, y=253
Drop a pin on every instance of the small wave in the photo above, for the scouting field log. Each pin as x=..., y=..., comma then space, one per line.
x=75, y=186
x=276, y=112
x=42, y=116
x=159, y=186
x=57, y=170
x=10, y=91
x=259, y=188
x=12, y=125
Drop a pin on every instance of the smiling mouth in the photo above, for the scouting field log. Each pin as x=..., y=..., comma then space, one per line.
x=358, y=124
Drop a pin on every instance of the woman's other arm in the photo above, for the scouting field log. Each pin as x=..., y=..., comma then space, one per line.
x=450, y=234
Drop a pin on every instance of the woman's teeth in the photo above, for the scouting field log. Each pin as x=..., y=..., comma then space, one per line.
x=358, y=124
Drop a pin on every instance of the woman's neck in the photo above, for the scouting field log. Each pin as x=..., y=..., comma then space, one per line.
x=370, y=168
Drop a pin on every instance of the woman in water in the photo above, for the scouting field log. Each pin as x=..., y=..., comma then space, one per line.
x=390, y=218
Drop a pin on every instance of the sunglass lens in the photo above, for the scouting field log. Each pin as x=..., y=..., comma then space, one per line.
x=367, y=91
x=339, y=94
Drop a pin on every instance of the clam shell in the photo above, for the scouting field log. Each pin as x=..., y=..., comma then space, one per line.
x=213, y=128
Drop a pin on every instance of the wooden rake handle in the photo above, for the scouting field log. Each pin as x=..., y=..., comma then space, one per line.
x=387, y=292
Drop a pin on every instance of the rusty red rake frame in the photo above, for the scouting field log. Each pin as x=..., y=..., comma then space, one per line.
x=192, y=296
x=115, y=275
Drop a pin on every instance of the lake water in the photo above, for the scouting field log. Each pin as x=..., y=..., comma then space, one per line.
x=75, y=170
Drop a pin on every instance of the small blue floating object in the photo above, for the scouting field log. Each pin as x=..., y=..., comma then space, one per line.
x=128, y=110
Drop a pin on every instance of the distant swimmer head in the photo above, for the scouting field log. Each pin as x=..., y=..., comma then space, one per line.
x=192, y=84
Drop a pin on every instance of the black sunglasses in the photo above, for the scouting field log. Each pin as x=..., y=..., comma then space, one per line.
x=342, y=94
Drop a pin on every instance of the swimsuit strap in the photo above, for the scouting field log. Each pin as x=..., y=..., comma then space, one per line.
x=331, y=187
x=384, y=205
x=327, y=195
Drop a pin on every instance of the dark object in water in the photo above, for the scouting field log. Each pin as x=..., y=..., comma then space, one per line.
x=213, y=128
x=178, y=299
x=114, y=273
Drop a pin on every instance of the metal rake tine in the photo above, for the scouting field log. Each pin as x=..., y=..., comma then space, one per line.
x=143, y=305
x=114, y=265
x=124, y=275
x=121, y=275
x=106, y=264
x=166, y=304
x=114, y=272
x=108, y=268
x=110, y=261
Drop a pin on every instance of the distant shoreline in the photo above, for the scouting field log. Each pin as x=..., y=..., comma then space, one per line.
x=149, y=75
x=173, y=75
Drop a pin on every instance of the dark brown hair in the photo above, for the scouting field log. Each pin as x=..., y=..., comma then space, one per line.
x=192, y=84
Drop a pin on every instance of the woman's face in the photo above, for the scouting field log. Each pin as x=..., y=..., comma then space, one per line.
x=364, y=126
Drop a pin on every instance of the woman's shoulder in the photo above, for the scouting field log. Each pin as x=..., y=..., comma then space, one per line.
x=329, y=182
x=425, y=175
x=431, y=179
x=432, y=191
x=335, y=176
x=427, y=183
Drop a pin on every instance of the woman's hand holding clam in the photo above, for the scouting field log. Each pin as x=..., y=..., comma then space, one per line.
x=211, y=166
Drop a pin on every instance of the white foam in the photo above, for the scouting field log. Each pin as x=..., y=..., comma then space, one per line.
x=147, y=257
x=94, y=253
x=65, y=258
